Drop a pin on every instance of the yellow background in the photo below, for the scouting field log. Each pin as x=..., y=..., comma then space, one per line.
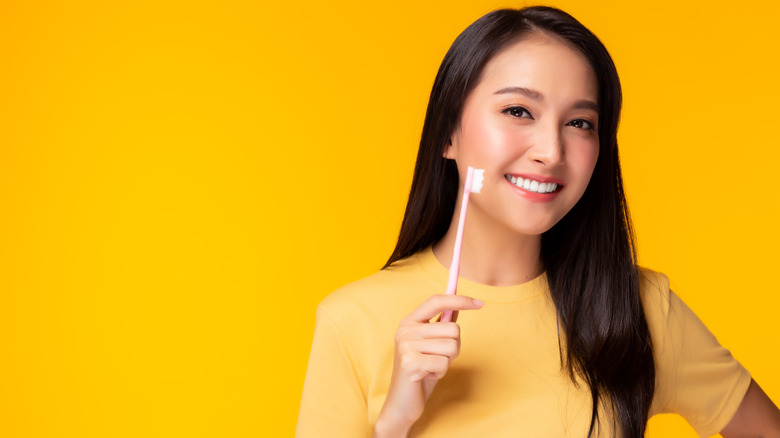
x=182, y=182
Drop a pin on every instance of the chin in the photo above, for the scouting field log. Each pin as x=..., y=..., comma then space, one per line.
x=532, y=229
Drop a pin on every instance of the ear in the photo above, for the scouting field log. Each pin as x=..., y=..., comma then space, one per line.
x=451, y=148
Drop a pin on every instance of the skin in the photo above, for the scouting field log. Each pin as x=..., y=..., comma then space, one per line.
x=547, y=132
x=423, y=353
x=529, y=116
x=756, y=416
x=526, y=116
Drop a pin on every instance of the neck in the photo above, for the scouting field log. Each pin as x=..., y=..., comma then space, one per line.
x=491, y=255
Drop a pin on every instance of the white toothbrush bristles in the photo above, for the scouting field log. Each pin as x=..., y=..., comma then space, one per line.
x=476, y=183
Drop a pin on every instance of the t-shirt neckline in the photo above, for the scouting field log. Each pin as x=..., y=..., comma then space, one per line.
x=498, y=294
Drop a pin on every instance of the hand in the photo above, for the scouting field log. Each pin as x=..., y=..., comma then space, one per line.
x=423, y=353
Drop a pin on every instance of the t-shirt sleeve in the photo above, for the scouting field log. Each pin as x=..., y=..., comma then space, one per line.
x=333, y=403
x=696, y=377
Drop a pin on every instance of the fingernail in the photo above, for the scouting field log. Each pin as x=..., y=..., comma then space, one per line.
x=477, y=302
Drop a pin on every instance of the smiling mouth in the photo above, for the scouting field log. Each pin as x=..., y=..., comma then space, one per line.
x=531, y=185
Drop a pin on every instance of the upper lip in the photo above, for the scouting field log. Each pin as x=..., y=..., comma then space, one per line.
x=540, y=178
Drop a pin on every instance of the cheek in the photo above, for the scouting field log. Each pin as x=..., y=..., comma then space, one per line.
x=486, y=139
x=583, y=159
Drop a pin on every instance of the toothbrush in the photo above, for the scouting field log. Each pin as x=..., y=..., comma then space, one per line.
x=473, y=183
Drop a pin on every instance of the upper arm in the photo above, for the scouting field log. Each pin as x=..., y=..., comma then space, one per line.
x=696, y=377
x=756, y=416
x=333, y=402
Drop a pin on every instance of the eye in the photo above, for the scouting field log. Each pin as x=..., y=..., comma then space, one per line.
x=582, y=124
x=517, y=111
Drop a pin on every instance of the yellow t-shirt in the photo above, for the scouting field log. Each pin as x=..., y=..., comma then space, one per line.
x=507, y=381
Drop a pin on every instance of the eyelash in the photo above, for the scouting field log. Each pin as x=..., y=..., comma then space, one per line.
x=590, y=125
x=512, y=111
x=517, y=112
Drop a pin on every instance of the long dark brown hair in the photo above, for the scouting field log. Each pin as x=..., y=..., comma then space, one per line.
x=589, y=255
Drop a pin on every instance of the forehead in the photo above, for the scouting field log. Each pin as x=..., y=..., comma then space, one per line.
x=542, y=62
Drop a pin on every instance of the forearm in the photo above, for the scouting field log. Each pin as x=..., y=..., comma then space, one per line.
x=757, y=416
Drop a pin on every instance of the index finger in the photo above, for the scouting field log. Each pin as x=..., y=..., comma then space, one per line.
x=439, y=303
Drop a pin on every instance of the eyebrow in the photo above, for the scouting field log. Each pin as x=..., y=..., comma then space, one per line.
x=535, y=95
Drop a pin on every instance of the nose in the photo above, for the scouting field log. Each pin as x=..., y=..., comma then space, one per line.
x=548, y=149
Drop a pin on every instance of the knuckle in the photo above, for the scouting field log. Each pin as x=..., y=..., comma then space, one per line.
x=450, y=330
x=404, y=332
x=441, y=363
x=405, y=347
x=452, y=348
x=436, y=300
x=453, y=330
x=409, y=363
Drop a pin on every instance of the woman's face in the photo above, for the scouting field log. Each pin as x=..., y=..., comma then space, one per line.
x=531, y=123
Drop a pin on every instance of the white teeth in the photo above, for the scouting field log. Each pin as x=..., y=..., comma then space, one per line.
x=532, y=185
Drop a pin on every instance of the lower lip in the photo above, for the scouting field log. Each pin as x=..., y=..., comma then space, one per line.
x=533, y=196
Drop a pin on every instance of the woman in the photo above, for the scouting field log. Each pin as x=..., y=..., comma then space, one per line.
x=562, y=334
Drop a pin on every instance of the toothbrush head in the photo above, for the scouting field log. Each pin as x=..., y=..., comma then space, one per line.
x=476, y=182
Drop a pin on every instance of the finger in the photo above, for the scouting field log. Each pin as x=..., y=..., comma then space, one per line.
x=453, y=316
x=439, y=347
x=439, y=303
x=428, y=339
x=439, y=330
x=417, y=330
x=430, y=365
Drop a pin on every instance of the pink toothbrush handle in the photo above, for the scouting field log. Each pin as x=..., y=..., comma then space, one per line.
x=452, y=283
